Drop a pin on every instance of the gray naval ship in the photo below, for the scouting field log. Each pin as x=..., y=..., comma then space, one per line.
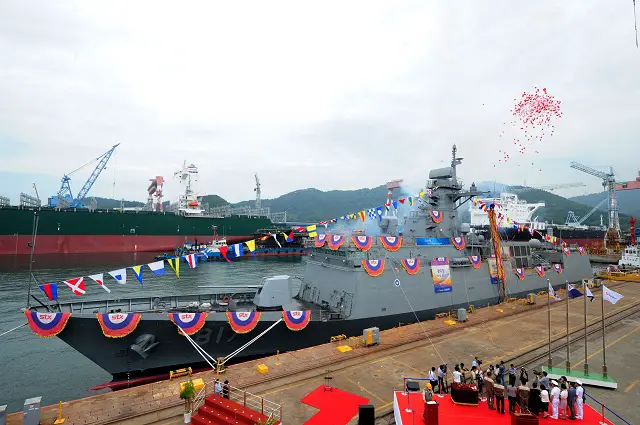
x=342, y=297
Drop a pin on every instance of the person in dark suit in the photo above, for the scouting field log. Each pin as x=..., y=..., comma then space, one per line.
x=571, y=400
x=534, y=399
x=225, y=389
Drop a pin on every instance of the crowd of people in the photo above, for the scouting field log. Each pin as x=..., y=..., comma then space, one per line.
x=497, y=382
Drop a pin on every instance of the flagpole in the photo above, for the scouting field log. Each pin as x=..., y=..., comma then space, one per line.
x=604, y=347
x=550, y=363
x=568, y=363
x=586, y=358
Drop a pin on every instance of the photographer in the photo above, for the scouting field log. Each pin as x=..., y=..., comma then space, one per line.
x=442, y=379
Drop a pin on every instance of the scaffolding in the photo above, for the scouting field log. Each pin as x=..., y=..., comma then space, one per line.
x=4, y=201
x=29, y=201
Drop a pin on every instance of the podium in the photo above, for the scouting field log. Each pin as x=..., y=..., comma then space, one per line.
x=465, y=394
x=430, y=415
x=524, y=419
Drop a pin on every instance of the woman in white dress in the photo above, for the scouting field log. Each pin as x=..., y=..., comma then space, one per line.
x=563, y=401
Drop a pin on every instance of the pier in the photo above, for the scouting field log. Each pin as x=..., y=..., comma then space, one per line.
x=513, y=332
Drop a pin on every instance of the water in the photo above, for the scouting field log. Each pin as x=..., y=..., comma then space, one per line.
x=31, y=366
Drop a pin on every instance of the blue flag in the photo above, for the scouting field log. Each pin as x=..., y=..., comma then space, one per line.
x=573, y=292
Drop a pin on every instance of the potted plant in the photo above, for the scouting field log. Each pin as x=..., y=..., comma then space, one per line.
x=269, y=421
x=187, y=393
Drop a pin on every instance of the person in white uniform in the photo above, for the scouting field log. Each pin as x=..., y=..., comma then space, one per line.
x=555, y=399
x=579, y=399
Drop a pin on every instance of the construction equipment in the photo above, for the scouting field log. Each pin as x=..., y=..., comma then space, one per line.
x=495, y=241
x=574, y=221
x=65, y=195
x=609, y=183
x=258, y=192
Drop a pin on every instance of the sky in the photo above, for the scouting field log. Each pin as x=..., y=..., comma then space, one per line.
x=331, y=95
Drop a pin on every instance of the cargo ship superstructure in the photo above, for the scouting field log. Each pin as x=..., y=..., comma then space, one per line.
x=87, y=230
x=350, y=283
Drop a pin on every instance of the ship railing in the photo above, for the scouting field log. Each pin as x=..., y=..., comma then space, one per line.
x=243, y=397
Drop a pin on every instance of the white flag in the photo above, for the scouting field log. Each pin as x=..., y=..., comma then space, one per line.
x=552, y=293
x=119, y=275
x=275, y=238
x=589, y=294
x=99, y=279
x=611, y=296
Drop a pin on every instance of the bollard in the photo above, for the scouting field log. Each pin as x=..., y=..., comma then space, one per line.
x=60, y=419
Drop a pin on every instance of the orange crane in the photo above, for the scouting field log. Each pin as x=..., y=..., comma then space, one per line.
x=497, y=250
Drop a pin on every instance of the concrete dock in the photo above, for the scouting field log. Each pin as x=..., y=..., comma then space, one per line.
x=516, y=334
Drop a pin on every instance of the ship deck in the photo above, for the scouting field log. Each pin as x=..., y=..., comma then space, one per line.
x=517, y=333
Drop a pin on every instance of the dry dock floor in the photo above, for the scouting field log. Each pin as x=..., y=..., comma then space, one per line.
x=518, y=333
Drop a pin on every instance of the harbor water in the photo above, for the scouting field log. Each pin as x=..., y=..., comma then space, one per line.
x=31, y=366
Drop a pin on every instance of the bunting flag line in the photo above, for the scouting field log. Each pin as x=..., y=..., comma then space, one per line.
x=174, y=263
x=137, y=272
x=540, y=270
x=46, y=325
x=436, y=216
x=558, y=268
x=373, y=267
x=191, y=323
x=476, y=261
x=581, y=250
x=566, y=251
x=320, y=240
x=362, y=215
x=118, y=325
x=50, y=290
x=391, y=243
x=363, y=243
x=520, y=273
x=157, y=268
x=99, y=279
x=411, y=265
x=296, y=320
x=191, y=260
x=76, y=285
x=289, y=237
x=243, y=322
x=459, y=243
x=335, y=241
x=251, y=246
x=119, y=275
x=223, y=252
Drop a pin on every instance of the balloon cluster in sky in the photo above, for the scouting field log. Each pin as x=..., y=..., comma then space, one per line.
x=534, y=115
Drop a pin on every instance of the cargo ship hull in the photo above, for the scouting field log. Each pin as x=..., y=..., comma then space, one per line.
x=104, y=231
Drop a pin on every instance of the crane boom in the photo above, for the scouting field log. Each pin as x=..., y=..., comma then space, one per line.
x=102, y=163
x=548, y=187
x=592, y=171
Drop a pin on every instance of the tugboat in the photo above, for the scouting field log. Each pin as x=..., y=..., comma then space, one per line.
x=351, y=283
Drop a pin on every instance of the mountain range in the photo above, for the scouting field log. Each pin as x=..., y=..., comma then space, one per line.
x=313, y=205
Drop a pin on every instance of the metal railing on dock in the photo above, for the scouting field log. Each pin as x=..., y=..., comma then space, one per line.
x=243, y=397
x=602, y=409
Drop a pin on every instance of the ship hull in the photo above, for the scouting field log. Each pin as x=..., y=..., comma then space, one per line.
x=105, y=231
x=471, y=286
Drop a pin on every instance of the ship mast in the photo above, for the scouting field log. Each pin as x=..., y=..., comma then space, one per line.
x=495, y=241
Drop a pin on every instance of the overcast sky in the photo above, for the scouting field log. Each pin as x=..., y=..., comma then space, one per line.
x=338, y=95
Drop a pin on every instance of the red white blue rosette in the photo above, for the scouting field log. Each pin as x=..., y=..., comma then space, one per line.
x=118, y=325
x=243, y=322
x=520, y=273
x=411, y=265
x=391, y=243
x=436, y=216
x=373, y=267
x=458, y=242
x=335, y=241
x=557, y=268
x=296, y=320
x=540, y=270
x=476, y=261
x=320, y=240
x=190, y=323
x=46, y=325
x=363, y=243
x=581, y=250
x=566, y=251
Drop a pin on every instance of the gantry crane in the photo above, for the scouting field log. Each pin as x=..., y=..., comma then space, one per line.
x=257, y=191
x=609, y=183
x=65, y=195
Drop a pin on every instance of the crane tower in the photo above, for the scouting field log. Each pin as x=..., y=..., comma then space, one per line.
x=257, y=191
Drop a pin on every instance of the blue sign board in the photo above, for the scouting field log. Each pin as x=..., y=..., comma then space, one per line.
x=432, y=241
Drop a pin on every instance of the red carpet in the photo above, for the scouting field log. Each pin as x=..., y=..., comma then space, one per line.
x=336, y=407
x=451, y=414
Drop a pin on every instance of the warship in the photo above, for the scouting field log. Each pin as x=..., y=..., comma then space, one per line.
x=345, y=289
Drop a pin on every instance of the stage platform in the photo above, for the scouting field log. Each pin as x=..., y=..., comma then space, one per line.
x=452, y=414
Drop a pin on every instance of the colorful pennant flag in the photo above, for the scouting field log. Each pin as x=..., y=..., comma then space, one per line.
x=275, y=238
x=223, y=252
x=174, y=263
x=289, y=237
x=50, y=290
x=99, y=279
x=157, y=268
x=119, y=275
x=76, y=285
x=191, y=260
x=137, y=271
x=251, y=246
x=311, y=230
x=238, y=250
x=362, y=215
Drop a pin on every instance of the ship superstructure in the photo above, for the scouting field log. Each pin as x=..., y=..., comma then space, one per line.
x=350, y=283
x=508, y=205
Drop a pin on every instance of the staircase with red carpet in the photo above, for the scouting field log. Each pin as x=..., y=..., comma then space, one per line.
x=223, y=411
